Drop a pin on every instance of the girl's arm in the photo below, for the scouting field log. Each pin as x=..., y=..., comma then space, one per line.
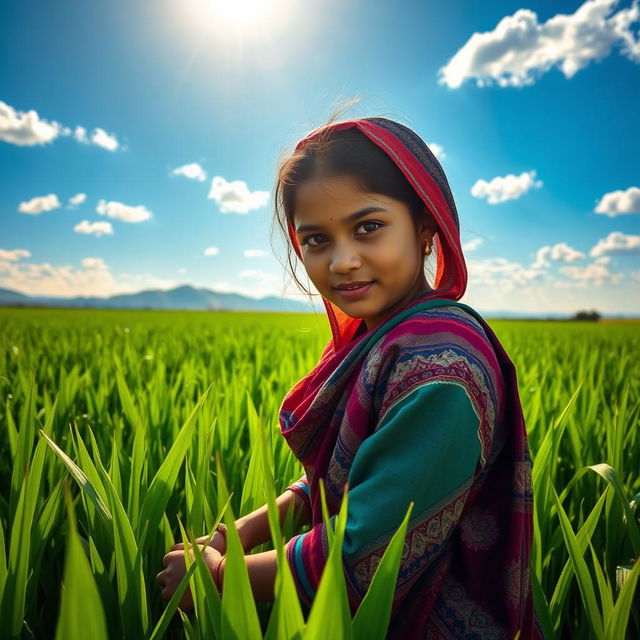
x=254, y=527
x=262, y=569
x=253, y=530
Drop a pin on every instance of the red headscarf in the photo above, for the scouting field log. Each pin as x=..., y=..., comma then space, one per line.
x=425, y=175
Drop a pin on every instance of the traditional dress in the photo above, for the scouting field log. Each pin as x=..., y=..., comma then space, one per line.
x=422, y=408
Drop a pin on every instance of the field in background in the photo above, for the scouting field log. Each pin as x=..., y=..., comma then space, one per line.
x=128, y=383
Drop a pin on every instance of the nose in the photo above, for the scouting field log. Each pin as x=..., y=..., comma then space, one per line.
x=345, y=258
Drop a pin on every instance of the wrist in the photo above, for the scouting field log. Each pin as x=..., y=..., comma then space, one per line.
x=246, y=533
x=217, y=574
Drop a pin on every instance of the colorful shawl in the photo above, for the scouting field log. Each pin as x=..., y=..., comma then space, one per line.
x=422, y=408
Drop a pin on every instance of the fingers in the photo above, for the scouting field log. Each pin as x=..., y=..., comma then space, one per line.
x=180, y=545
x=172, y=555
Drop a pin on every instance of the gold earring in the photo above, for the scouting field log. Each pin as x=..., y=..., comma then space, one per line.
x=427, y=249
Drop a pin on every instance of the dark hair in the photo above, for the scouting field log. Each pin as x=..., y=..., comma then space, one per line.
x=347, y=152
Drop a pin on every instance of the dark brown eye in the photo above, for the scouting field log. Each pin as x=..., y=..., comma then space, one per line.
x=368, y=222
x=311, y=244
x=308, y=239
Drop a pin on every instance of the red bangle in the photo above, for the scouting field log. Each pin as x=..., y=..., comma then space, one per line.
x=216, y=574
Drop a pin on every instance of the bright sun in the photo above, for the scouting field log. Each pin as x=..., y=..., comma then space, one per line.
x=243, y=13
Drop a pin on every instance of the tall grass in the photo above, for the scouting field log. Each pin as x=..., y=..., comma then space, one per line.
x=124, y=432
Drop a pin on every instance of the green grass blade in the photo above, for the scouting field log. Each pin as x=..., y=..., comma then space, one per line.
x=79, y=476
x=374, y=613
x=581, y=571
x=12, y=605
x=618, y=623
x=558, y=599
x=330, y=615
x=131, y=588
x=610, y=475
x=161, y=486
x=239, y=614
x=81, y=612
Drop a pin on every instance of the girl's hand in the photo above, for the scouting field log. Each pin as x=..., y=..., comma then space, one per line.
x=175, y=568
x=218, y=542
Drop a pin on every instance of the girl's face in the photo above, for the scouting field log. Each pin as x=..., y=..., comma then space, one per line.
x=347, y=236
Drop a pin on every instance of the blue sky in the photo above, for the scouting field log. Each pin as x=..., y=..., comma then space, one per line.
x=135, y=136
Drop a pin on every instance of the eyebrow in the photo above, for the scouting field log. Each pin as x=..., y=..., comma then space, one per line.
x=353, y=216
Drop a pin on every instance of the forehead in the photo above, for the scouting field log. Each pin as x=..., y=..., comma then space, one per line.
x=340, y=193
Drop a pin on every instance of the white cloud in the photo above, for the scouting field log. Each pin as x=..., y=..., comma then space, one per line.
x=182, y=270
x=29, y=129
x=520, y=48
x=616, y=243
x=75, y=201
x=80, y=134
x=617, y=203
x=560, y=252
x=472, y=244
x=92, y=278
x=93, y=263
x=211, y=251
x=94, y=228
x=123, y=212
x=13, y=255
x=500, y=272
x=437, y=150
x=596, y=273
x=253, y=253
x=105, y=140
x=235, y=197
x=26, y=128
x=503, y=188
x=193, y=171
x=40, y=204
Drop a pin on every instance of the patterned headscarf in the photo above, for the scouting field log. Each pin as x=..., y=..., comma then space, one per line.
x=425, y=174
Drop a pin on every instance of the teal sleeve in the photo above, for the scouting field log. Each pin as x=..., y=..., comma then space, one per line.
x=425, y=449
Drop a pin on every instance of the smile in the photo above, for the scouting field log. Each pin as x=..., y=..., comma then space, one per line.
x=358, y=292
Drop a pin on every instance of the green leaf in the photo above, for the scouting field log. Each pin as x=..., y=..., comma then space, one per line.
x=286, y=621
x=618, y=623
x=81, y=612
x=610, y=475
x=161, y=486
x=12, y=605
x=79, y=476
x=330, y=615
x=374, y=613
x=581, y=571
x=239, y=615
x=131, y=588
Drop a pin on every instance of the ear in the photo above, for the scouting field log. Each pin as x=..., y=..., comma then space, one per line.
x=428, y=226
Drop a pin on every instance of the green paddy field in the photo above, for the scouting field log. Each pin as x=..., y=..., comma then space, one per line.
x=121, y=432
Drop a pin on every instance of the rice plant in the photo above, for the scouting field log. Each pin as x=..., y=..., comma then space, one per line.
x=124, y=432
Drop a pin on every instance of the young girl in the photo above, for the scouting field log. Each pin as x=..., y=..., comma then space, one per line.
x=413, y=399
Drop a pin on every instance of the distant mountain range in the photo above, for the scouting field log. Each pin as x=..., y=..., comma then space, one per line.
x=184, y=297
x=200, y=299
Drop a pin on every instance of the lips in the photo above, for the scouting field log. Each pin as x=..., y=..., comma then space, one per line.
x=348, y=286
x=354, y=290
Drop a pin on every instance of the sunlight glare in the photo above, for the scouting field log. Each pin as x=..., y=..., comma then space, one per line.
x=243, y=13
